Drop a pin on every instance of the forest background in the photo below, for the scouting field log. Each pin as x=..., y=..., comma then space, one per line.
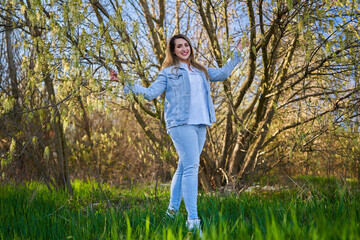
x=290, y=108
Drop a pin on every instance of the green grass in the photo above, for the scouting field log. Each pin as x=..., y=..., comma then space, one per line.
x=32, y=212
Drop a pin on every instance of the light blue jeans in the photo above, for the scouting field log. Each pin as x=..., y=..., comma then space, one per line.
x=189, y=141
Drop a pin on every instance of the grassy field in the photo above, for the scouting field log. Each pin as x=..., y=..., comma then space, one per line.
x=319, y=210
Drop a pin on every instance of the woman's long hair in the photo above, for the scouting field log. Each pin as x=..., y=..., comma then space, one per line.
x=172, y=60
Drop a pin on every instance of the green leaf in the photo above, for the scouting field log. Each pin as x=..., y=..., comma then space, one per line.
x=253, y=49
x=46, y=152
x=12, y=146
x=289, y=4
x=34, y=141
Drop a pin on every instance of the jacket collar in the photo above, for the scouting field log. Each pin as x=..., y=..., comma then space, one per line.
x=185, y=67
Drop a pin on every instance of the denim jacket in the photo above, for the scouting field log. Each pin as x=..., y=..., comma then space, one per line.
x=177, y=86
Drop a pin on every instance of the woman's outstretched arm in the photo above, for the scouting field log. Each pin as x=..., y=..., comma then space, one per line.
x=149, y=93
x=220, y=74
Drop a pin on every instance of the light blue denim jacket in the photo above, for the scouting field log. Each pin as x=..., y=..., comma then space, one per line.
x=177, y=86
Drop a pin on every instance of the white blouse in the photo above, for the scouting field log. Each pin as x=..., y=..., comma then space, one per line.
x=199, y=110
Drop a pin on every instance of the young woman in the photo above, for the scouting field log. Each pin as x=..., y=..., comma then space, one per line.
x=188, y=110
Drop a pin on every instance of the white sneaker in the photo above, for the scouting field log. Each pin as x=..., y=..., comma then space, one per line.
x=194, y=225
x=172, y=214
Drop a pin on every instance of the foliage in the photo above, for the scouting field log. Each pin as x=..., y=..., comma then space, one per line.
x=294, y=96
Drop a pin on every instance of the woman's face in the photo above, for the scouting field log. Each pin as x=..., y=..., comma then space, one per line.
x=182, y=49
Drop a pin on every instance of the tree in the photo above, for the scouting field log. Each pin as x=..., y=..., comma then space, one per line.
x=297, y=81
x=289, y=64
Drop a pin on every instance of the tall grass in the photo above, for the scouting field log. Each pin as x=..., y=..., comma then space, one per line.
x=32, y=212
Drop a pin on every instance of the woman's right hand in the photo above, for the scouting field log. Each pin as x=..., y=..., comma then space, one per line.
x=240, y=44
x=113, y=76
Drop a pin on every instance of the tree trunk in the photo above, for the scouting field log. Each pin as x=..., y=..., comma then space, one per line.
x=204, y=181
x=358, y=164
x=95, y=168
x=238, y=155
x=15, y=116
x=12, y=70
x=63, y=178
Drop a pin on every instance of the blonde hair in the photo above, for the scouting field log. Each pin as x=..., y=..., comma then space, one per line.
x=172, y=60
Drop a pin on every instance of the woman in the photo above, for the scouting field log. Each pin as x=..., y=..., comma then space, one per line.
x=188, y=110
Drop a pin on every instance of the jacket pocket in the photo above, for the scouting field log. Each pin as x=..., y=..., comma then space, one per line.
x=175, y=93
x=175, y=80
